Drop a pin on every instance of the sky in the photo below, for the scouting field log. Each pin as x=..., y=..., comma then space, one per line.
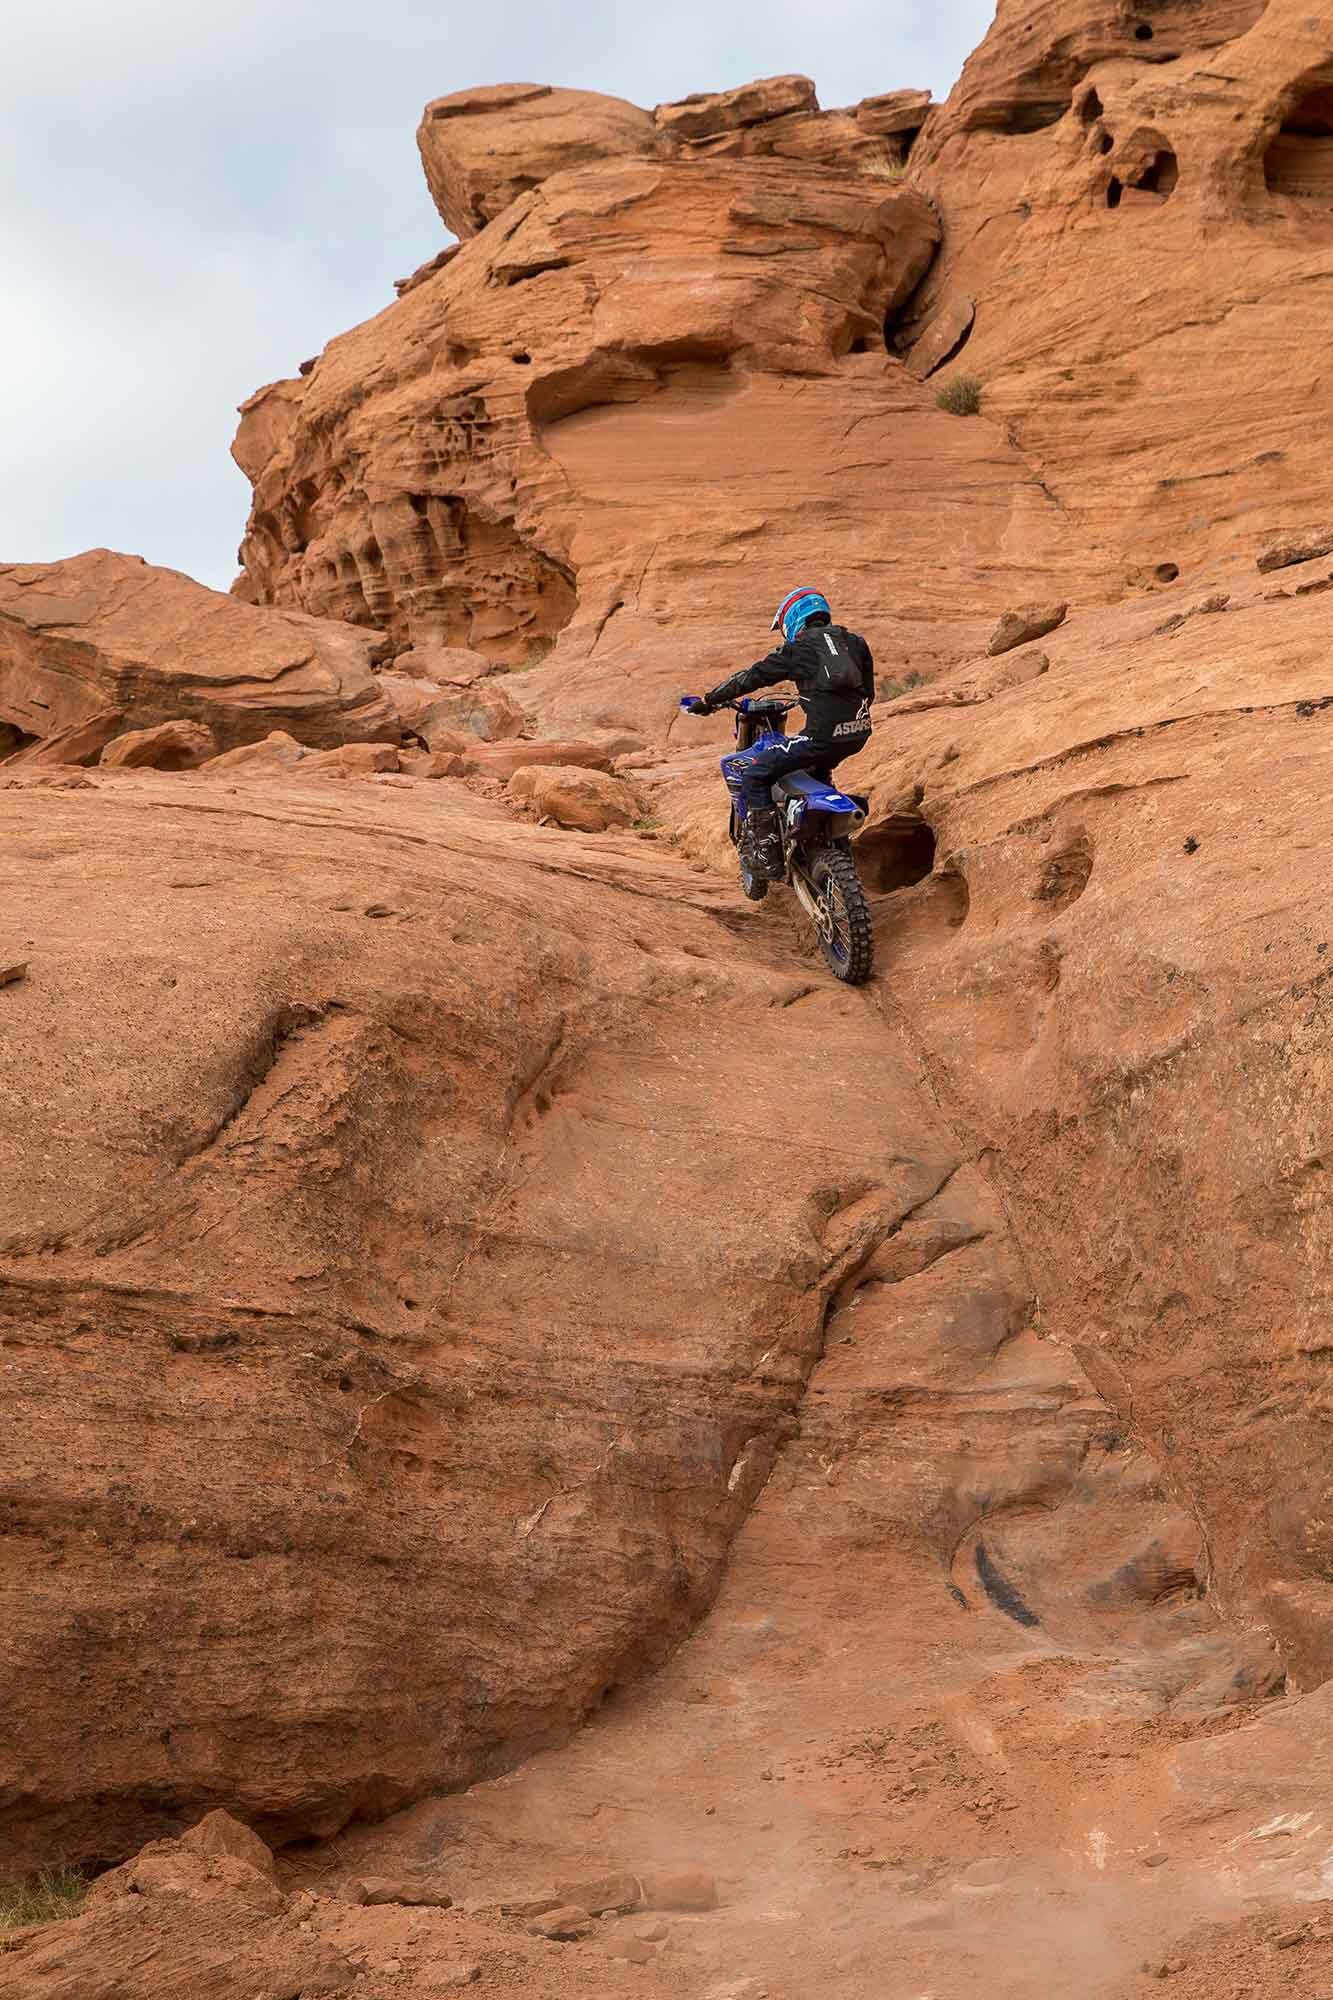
x=198, y=194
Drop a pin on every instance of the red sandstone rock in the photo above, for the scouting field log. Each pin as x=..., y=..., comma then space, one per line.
x=77, y=743
x=590, y=801
x=606, y=1892
x=275, y=752
x=680, y=1889
x=354, y=760
x=414, y=1892
x=708, y=113
x=169, y=746
x=1291, y=549
x=105, y=631
x=1031, y=621
x=564, y=1924
x=481, y=149
x=438, y=712
x=1011, y=1433
x=785, y=270
x=501, y=760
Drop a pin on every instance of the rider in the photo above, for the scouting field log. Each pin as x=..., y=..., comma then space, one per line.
x=834, y=676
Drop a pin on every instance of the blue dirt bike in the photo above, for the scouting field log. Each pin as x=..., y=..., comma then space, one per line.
x=816, y=822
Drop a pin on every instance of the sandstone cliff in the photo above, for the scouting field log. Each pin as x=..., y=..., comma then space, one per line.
x=463, y=1263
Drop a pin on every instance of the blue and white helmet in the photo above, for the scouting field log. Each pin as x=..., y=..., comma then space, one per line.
x=796, y=608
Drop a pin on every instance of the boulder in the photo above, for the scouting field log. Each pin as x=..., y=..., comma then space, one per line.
x=1287, y=550
x=437, y=711
x=103, y=631
x=582, y=800
x=168, y=746
x=943, y=337
x=893, y=112
x=620, y=1891
x=501, y=760
x=680, y=1889
x=218, y=1834
x=413, y=1891
x=77, y=743
x=274, y=753
x=1030, y=621
x=707, y=113
x=218, y=1858
x=481, y=149
x=354, y=760
x=565, y=1924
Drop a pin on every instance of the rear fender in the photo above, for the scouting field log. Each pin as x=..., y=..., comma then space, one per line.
x=815, y=808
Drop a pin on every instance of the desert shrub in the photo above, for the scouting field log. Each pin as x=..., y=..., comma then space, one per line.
x=960, y=396
x=890, y=690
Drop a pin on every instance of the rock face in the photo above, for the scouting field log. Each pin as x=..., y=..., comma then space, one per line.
x=484, y=1248
x=295, y=1232
x=105, y=634
x=1138, y=221
x=645, y=368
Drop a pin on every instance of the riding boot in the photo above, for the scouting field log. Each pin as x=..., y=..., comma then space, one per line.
x=764, y=844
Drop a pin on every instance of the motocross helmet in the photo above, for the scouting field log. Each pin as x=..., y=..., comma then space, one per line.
x=797, y=608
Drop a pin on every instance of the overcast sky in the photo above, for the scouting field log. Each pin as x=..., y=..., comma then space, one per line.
x=200, y=193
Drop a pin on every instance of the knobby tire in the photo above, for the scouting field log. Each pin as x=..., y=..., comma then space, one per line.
x=851, y=954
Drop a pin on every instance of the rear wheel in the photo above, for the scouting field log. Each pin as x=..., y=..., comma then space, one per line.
x=846, y=936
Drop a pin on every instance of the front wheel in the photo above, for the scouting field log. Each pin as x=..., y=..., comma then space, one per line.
x=846, y=936
x=752, y=885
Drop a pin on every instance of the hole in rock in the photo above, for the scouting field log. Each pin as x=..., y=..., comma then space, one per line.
x=1114, y=190
x=13, y=739
x=1105, y=143
x=1143, y=33
x=1160, y=175
x=1167, y=572
x=1032, y=116
x=1090, y=110
x=861, y=345
x=1064, y=876
x=418, y=502
x=523, y=360
x=896, y=853
x=1300, y=160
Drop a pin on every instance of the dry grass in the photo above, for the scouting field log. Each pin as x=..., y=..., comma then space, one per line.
x=960, y=396
x=885, y=169
x=891, y=690
x=45, y=1898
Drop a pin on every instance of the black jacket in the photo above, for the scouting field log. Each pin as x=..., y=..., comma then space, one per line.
x=828, y=716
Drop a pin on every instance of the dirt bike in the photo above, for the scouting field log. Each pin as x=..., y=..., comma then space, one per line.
x=816, y=822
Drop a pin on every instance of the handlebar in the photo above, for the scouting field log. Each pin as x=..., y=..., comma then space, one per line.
x=777, y=704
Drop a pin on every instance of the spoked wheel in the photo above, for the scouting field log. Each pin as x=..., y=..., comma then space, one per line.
x=754, y=886
x=846, y=936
